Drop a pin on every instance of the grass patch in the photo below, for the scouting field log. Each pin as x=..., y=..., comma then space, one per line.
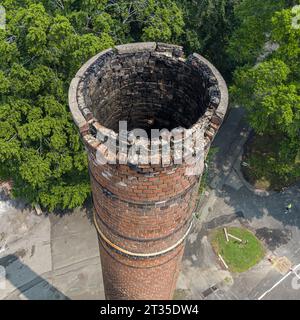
x=239, y=256
x=267, y=169
x=181, y=294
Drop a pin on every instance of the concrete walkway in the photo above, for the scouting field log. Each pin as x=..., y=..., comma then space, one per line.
x=56, y=257
x=48, y=257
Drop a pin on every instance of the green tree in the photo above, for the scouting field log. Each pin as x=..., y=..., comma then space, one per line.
x=44, y=44
x=146, y=20
x=252, y=33
x=209, y=25
x=253, y=29
x=270, y=91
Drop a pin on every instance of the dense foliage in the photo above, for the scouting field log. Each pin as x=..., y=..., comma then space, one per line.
x=45, y=42
x=268, y=85
x=43, y=45
x=209, y=26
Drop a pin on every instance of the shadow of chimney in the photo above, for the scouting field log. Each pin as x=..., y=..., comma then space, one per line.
x=30, y=284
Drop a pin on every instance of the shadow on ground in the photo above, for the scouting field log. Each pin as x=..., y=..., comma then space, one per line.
x=233, y=195
x=257, y=207
x=37, y=289
x=17, y=204
x=87, y=208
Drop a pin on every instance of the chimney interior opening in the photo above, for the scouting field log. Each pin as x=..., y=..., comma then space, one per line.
x=147, y=91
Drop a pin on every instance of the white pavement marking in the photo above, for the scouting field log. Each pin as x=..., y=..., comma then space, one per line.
x=296, y=274
x=278, y=282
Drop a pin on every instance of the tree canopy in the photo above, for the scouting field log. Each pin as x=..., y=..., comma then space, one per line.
x=209, y=26
x=269, y=86
x=42, y=47
x=45, y=42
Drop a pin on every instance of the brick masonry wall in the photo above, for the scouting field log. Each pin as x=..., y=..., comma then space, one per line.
x=144, y=212
x=139, y=279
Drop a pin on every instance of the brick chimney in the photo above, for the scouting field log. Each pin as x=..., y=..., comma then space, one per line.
x=143, y=211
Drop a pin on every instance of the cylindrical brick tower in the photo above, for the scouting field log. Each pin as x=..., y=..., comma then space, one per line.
x=143, y=210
